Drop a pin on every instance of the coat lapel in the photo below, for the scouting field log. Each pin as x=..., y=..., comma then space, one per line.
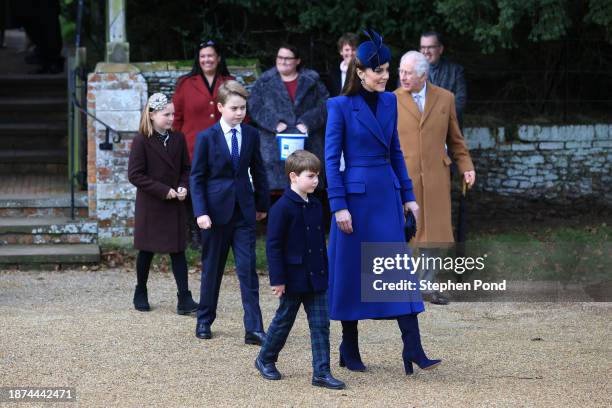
x=405, y=100
x=365, y=116
x=245, y=148
x=160, y=149
x=431, y=98
x=198, y=83
x=222, y=143
x=303, y=87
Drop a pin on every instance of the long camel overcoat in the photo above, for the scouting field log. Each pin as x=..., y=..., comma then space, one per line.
x=423, y=140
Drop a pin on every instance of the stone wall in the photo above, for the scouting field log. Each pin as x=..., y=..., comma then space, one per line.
x=555, y=163
x=162, y=76
x=116, y=94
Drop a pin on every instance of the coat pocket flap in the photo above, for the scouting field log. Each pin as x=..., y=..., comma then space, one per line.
x=355, y=188
x=294, y=260
x=447, y=161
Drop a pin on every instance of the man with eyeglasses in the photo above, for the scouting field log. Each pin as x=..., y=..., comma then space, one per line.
x=444, y=73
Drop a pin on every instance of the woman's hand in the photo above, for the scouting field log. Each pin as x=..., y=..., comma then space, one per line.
x=302, y=128
x=278, y=290
x=181, y=193
x=413, y=207
x=281, y=127
x=204, y=222
x=171, y=194
x=260, y=215
x=344, y=221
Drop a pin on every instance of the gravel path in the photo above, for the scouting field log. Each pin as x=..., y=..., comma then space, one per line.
x=78, y=328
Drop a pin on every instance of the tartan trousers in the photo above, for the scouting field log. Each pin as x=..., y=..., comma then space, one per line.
x=315, y=305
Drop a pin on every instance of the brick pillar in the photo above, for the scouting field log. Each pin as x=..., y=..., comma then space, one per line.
x=116, y=94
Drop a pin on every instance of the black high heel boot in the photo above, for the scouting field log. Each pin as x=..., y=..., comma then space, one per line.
x=413, y=349
x=349, y=348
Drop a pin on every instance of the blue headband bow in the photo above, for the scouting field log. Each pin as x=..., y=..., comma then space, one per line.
x=373, y=53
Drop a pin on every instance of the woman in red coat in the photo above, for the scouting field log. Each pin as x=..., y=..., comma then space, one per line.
x=195, y=96
x=195, y=107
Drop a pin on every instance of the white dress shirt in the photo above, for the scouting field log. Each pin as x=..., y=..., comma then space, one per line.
x=227, y=132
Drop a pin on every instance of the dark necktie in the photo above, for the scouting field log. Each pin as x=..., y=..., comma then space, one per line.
x=235, y=151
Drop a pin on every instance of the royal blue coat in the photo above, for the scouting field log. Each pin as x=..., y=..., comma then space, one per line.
x=373, y=187
x=295, y=244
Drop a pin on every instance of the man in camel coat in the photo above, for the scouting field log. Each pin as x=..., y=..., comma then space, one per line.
x=427, y=124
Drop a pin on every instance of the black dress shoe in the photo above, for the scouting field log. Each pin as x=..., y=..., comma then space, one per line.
x=327, y=381
x=437, y=298
x=258, y=338
x=267, y=371
x=203, y=331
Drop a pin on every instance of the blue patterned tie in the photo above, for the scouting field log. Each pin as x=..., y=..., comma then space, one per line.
x=235, y=151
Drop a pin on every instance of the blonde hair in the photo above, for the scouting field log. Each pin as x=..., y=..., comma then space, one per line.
x=146, y=123
x=230, y=88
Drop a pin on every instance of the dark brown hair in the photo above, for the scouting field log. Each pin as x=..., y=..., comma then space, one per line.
x=302, y=160
x=348, y=38
x=352, y=86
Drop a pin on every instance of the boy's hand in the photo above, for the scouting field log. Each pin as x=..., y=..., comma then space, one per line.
x=171, y=194
x=302, y=128
x=181, y=193
x=278, y=290
x=204, y=222
x=260, y=215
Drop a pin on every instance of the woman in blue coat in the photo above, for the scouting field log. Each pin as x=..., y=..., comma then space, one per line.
x=369, y=200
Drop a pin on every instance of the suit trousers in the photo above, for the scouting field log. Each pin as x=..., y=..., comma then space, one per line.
x=216, y=242
x=315, y=305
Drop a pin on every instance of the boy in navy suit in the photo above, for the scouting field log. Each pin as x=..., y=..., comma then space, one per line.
x=226, y=208
x=297, y=260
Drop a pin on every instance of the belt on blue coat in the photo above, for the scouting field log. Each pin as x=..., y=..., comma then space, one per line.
x=367, y=161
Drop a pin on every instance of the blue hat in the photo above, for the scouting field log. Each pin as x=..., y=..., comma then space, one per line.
x=373, y=53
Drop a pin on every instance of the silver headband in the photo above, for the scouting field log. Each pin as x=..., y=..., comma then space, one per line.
x=157, y=101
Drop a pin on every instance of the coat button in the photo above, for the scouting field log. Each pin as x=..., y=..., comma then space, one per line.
x=318, y=227
x=311, y=273
x=320, y=249
x=307, y=227
x=309, y=251
x=212, y=115
x=322, y=272
x=212, y=103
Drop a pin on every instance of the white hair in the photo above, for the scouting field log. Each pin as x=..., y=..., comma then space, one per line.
x=421, y=66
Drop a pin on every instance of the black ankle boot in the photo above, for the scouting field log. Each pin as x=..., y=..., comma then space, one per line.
x=141, y=300
x=185, y=304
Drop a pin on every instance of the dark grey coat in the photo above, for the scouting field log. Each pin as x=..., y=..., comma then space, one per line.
x=270, y=103
x=449, y=76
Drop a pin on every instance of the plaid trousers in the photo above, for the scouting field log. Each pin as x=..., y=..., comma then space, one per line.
x=315, y=305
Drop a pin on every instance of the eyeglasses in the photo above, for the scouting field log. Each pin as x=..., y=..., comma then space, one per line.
x=430, y=48
x=285, y=59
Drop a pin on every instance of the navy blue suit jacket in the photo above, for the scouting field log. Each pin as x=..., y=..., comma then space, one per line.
x=216, y=187
x=295, y=245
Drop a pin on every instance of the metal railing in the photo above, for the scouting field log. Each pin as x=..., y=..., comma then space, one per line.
x=77, y=129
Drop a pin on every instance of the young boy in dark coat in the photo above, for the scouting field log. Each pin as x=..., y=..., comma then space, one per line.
x=226, y=206
x=297, y=260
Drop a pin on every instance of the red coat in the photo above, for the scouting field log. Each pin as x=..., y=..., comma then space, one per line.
x=195, y=109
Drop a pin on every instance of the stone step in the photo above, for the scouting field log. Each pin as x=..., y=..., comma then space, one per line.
x=33, y=136
x=47, y=230
x=40, y=207
x=42, y=156
x=15, y=109
x=33, y=85
x=49, y=254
